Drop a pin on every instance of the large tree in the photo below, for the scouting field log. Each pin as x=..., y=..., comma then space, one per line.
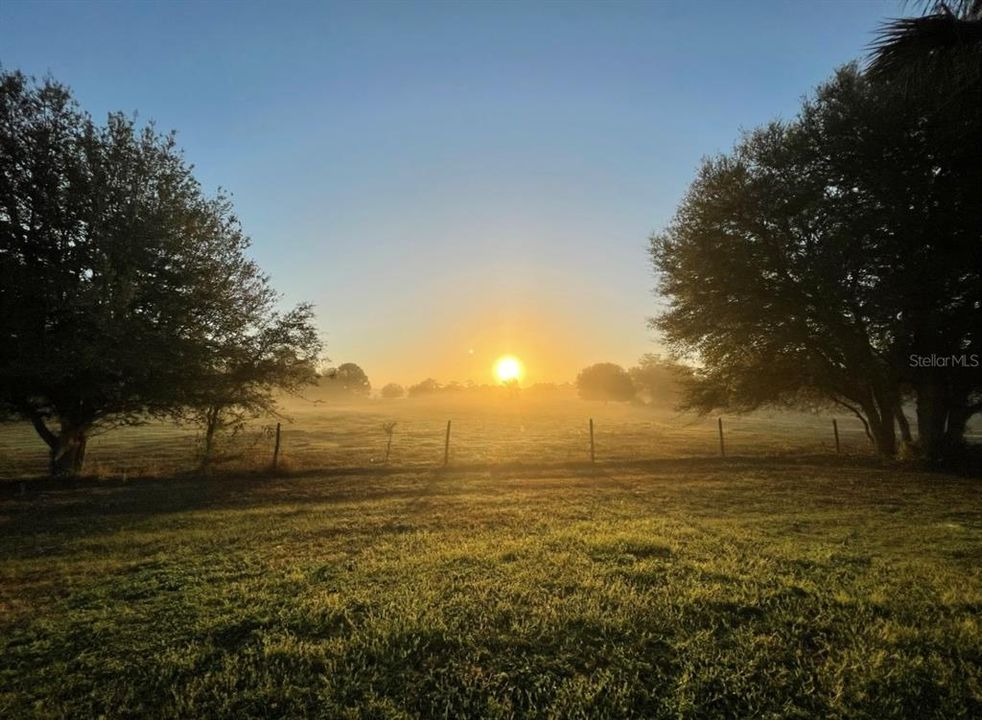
x=347, y=379
x=121, y=278
x=934, y=62
x=392, y=390
x=659, y=381
x=605, y=381
x=823, y=256
x=429, y=386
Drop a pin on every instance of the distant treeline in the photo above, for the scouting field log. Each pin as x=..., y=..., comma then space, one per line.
x=653, y=381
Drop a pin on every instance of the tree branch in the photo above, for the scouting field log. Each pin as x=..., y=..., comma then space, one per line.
x=38, y=422
x=855, y=411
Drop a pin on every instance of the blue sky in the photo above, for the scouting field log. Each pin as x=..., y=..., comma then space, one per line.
x=448, y=182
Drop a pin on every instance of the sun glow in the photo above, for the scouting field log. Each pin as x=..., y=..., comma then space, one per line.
x=508, y=368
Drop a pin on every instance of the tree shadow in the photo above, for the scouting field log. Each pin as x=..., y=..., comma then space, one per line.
x=86, y=506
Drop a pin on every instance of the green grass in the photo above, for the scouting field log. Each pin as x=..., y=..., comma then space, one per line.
x=675, y=588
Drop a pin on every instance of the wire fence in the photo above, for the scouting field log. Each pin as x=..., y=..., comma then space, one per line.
x=401, y=437
x=440, y=442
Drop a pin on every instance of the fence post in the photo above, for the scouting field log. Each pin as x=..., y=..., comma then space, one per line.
x=446, y=446
x=276, y=447
x=593, y=456
x=722, y=448
x=835, y=429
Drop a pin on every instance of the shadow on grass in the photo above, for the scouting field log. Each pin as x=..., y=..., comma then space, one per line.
x=85, y=506
x=43, y=484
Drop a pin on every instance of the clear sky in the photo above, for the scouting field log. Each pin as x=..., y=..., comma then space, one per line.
x=449, y=182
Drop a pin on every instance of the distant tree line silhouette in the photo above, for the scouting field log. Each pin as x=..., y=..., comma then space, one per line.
x=346, y=380
x=653, y=381
x=392, y=391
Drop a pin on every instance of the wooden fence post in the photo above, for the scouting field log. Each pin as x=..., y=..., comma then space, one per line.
x=722, y=448
x=835, y=429
x=276, y=448
x=593, y=455
x=446, y=446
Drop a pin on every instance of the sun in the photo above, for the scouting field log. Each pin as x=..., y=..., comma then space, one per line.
x=508, y=368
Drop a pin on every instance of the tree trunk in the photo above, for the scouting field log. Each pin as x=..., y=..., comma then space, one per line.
x=68, y=454
x=884, y=436
x=212, y=416
x=953, y=444
x=880, y=417
x=66, y=449
x=932, y=419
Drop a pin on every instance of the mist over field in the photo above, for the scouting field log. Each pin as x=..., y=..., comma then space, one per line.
x=487, y=428
x=491, y=359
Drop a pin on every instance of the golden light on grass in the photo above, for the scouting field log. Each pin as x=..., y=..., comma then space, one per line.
x=508, y=368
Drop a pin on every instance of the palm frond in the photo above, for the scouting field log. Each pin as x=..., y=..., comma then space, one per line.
x=964, y=9
x=923, y=46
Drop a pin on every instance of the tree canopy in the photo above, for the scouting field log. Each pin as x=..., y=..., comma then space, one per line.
x=429, y=386
x=126, y=290
x=658, y=380
x=823, y=256
x=605, y=381
x=391, y=391
x=272, y=352
x=347, y=379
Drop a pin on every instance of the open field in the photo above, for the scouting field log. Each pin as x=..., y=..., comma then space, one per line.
x=515, y=430
x=700, y=588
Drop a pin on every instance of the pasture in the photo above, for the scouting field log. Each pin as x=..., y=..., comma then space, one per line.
x=779, y=582
x=484, y=431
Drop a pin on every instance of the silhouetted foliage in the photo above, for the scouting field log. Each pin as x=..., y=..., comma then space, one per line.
x=821, y=255
x=270, y=352
x=393, y=390
x=426, y=387
x=605, y=381
x=548, y=390
x=658, y=380
x=941, y=49
x=126, y=292
x=347, y=379
x=454, y=389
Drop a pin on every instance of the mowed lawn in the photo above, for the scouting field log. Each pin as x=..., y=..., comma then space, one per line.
x=744, y=588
